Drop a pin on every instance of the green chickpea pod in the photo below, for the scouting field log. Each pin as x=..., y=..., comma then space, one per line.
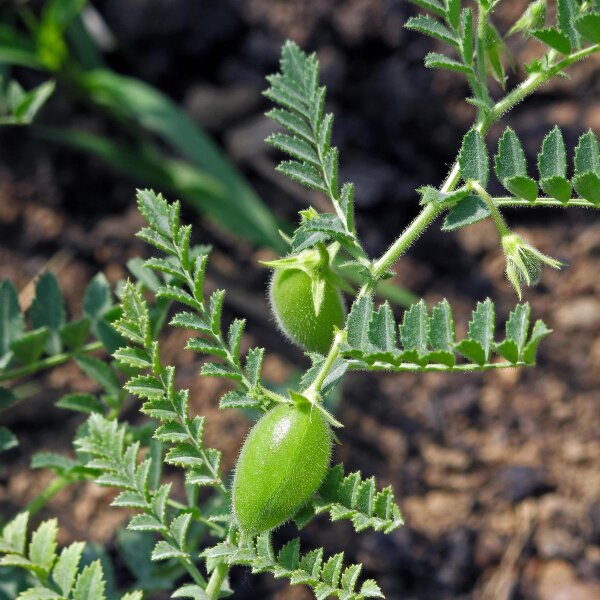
x=282, y=463
x=305, y=299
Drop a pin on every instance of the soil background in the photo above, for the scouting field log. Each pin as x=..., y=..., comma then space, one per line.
x=497, y=474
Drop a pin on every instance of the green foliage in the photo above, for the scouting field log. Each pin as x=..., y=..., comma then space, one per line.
x=18, y=107
x=187, y=287
x=589, y=27
x=427, y=341
x=58, y=576
x=154, y=384
x=314, y=161
x=554, y=39
x=326, y=577
x=117, y=466
x=58, y=41
x=511, y=169
x=566, y=14
x=50, y=333
x=130, y=458
x=351, y=497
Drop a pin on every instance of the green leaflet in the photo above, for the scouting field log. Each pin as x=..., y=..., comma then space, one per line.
x=467, y=211
x=587, y=154
x=589, y=27
x=428, y=341
x=511, y=167
x=433, y=28
x=11, y=319
x=567, y=12
x=435, y=60
x=52, y=570
x=553, y=38
x=473, y=158
x=326, y=577
x=552, y=159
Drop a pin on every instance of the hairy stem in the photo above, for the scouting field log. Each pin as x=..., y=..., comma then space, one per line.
x=317, y=384
x=482, y=19
x=537, y=79
x=216, y=581
x=546, y=202
x=47, y=363
x=429, y=212
x=356, y=365
x=495, y=213
x=408, y=236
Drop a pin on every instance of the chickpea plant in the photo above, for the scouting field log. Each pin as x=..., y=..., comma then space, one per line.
x=283, y=471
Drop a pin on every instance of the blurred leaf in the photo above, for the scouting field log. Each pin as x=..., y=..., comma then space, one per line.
x=7, y=439
x=11, y=319
x=589, y=27
x=48, y=310
x=23, y=106
x=85, y=403
x=17, y=49
x=7, y=398
x=30, y=346
x=75, y=333
x=236, y=206
x=101, y=373
x=534, y=17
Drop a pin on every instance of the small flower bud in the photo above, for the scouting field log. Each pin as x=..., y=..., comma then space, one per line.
x=524, y=262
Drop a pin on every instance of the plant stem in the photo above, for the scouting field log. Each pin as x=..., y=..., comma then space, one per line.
x=408, y=236
x=429, y=212
x=216, y=581
x=317, y=384
x=547, y=202
x=495, y=213
x=537, y=79
x=356, y=365
x=55, y=486
x=482, y=19
x=47, y=363
x=195, y=574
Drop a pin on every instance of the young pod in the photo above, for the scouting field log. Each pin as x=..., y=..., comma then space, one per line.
x=292, y=300
x=282, y=463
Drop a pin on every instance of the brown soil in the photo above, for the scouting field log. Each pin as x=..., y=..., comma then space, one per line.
x=498, y=474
